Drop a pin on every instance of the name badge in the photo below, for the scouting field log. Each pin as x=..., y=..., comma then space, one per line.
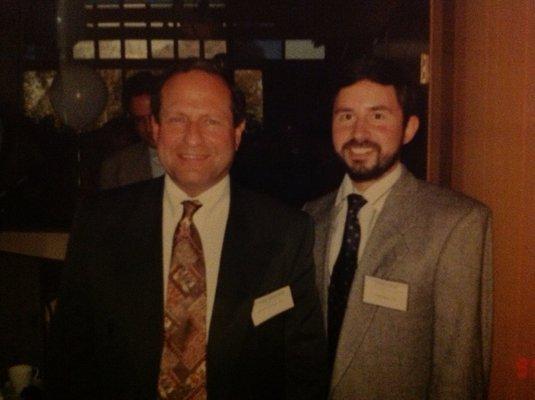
x=389, y=294
x=271, y=304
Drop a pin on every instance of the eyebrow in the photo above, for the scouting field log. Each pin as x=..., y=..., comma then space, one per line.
x=372, y=108
x=342, y=109
x=381, y=108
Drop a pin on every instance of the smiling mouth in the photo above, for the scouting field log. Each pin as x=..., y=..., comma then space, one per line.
x=193, y=157
x=360, y=151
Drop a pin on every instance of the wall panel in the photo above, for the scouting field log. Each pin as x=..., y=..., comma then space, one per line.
x=493, y=159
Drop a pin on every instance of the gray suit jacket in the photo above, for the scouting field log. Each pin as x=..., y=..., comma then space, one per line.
x=438, y=242
x=128, y=165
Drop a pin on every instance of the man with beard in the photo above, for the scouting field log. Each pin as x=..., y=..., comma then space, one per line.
x=403, y=266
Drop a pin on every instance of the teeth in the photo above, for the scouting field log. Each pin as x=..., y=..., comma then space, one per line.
x=360, y=150
x=192, y=156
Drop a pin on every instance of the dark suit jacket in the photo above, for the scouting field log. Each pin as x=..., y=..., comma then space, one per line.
x=438, y=243
x=107, y=334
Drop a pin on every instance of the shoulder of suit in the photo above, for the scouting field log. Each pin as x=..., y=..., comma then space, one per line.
x=263, y=206
x=425, y=197
x=321, y=205
x=127, y=153
x=123, y=195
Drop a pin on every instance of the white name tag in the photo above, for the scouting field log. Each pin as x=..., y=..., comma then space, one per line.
x=380, y=292
x=271, y=304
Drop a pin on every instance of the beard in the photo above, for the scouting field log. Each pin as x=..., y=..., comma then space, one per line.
x=358, y=171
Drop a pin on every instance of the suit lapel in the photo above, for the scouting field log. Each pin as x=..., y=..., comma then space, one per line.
x=141, y=277
x=385, y=245
x=323, y=224
x=243, y=252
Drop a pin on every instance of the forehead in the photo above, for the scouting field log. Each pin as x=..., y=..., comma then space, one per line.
x=195, y=87
x=366, y=93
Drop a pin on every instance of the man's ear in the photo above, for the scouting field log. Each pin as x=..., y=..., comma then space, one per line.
x=411, y=128
x=155, y=128
x=238, y=132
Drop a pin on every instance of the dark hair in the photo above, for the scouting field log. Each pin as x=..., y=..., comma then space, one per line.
x=212, y=68
x=382, y=71
x=141, y=83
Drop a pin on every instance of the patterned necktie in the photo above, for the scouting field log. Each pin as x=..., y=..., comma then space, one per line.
x=343, y=273
x=183, y=363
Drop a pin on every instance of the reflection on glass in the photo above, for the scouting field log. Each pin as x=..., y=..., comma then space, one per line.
x=214, y=47
x=84, y=50
x=250, y=83
x=109, y=49
x=188, y=48
x=190, y=3
x=304, y=50
x=135, y=49
x=162, y=48
x=133, y=24
x=248, y=50
x=134, y=4
x=217, y=4
x=108, y=4
x=162, y=4
x=109, y=24
x=272, y=49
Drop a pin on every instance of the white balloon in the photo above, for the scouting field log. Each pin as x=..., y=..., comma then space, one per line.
x=78, y=95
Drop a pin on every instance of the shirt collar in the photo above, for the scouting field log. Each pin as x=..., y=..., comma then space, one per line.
x=209, y=198
x=374, y=193
x=153, y=152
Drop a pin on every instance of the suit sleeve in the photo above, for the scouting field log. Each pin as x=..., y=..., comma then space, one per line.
x=306, y=349
x=108, y=174
x=69, y=366
x=463, y=311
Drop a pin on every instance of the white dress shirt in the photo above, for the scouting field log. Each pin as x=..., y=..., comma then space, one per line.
x=375, y=197
x=210, y=220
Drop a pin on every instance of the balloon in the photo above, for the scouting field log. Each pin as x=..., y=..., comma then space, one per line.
x=78, y=95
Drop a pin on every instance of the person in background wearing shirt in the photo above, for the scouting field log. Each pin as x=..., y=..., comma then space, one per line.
x=403, y=266
x=188, y=286
x=138, y=161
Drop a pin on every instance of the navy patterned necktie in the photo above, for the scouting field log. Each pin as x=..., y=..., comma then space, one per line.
x=343, y=272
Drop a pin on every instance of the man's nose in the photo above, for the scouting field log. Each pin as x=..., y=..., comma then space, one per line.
x=192, y=133
x=360, y=129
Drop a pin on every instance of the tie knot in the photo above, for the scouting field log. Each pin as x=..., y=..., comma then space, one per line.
x=355, y=202
x=190, y=207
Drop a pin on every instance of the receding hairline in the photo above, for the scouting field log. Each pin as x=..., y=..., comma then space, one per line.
x=237, y=100
x=177, y=74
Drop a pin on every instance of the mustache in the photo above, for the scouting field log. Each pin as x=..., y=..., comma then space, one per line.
x=360, y=143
